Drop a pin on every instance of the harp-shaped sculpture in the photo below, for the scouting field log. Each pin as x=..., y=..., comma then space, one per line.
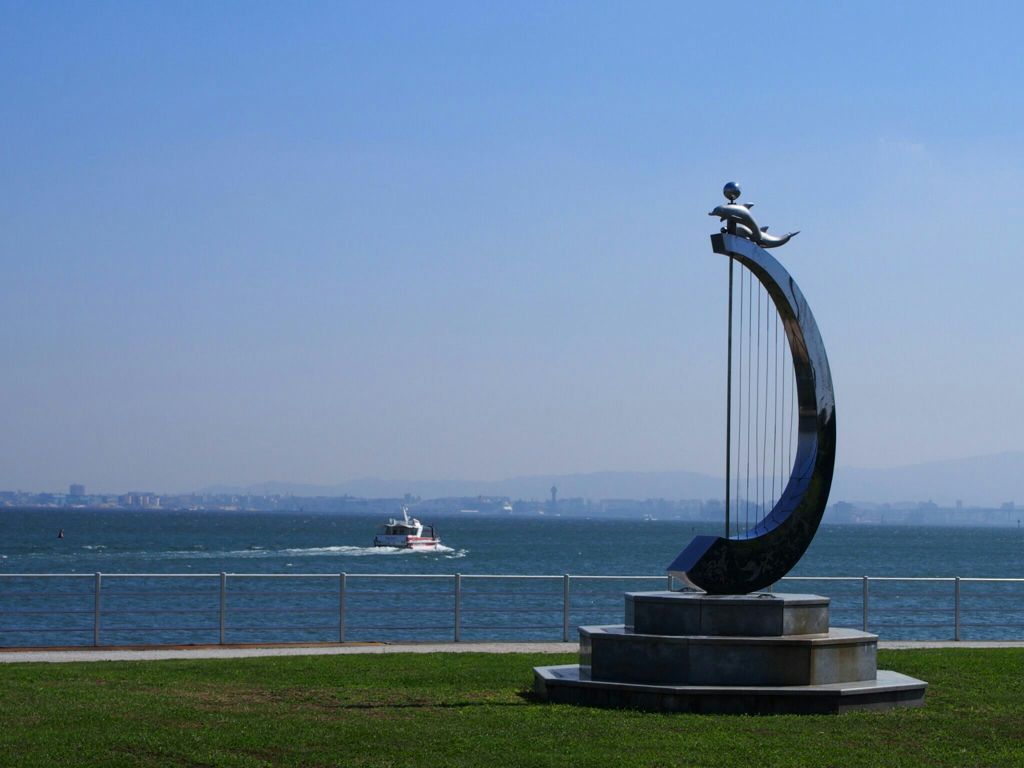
x=784, y=522
x=727, y=651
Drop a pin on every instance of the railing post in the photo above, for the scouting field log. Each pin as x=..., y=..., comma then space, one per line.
x=565, y=608
x=956, y=609
x=342, y=578
x=864, y=602
x=668, y=584
x=97, y=587
x=458, y=607
x=223, y=603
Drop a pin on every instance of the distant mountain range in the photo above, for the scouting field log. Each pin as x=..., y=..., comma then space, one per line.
x=594, y=485
x=978, y=480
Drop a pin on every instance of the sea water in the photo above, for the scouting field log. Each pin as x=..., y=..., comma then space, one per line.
x=422, y=606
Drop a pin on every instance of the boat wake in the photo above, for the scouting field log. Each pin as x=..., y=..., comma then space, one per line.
x=256, y=552
x=347, y=551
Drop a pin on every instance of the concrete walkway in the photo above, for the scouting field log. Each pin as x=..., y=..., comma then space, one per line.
x=244, y=652
x=248, y=651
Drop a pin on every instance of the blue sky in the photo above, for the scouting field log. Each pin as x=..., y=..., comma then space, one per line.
x=312, y=242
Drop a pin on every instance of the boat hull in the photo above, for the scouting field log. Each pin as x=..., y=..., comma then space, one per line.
x=424, y=543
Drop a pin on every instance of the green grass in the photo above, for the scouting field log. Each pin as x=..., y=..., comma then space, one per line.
x=472, y=710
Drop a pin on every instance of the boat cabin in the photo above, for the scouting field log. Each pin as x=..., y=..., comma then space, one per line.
x=400, y=528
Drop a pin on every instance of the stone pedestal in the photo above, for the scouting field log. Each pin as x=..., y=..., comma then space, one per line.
x=753, y=654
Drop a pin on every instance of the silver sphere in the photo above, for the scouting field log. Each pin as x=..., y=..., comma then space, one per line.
x=732, y=191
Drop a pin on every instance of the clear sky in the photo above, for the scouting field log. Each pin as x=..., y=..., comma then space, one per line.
x=312, y=242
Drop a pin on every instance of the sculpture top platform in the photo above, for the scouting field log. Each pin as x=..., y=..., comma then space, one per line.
x=695, y=613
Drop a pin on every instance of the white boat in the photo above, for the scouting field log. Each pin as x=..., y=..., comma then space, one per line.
x=407, y=533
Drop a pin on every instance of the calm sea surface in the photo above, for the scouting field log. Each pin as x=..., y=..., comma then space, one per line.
x=61, y=611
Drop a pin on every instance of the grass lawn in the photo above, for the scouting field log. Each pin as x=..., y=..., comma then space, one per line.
x=472, y=710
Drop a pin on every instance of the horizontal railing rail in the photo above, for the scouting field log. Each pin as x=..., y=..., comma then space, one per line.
x=175, y=608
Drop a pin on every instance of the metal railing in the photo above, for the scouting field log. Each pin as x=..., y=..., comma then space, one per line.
x=96, y=609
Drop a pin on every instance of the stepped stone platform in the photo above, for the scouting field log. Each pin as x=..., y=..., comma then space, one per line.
x=742, y=654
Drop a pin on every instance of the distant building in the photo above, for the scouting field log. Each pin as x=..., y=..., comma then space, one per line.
x=76, y=489
x=554, y=495
x=137, y=500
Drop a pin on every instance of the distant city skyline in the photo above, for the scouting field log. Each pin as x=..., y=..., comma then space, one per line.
x=992, y=481
x=461, y=241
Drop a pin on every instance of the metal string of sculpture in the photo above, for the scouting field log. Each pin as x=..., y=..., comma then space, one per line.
x=775, y=517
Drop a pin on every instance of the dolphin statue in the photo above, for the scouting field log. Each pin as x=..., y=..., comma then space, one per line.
x=738, y=214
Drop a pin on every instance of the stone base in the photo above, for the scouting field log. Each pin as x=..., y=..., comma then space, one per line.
x=726, y=654
x=563, y=685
